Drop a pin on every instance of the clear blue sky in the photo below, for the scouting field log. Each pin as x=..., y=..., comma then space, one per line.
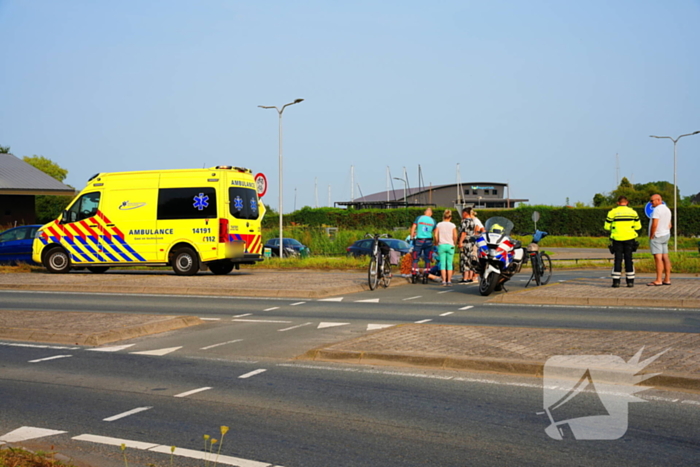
x=542, y=94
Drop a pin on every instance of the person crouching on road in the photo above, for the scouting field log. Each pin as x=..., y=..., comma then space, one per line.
x=445, y=238
x=422, y=235
x=659, y=235
x=622, y=222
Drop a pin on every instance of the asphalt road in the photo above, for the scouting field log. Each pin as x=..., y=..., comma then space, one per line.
x=237, y=370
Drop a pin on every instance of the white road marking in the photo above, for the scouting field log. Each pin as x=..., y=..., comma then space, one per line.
x=370, y=300
x=39, y=346
x=125, y=414
x=273, y=308
x=252, y=373
x=260, y=321
x=413, y=298
x=244, y=314
x=114, y=348
x=49, y=358
x=157, y=352
x=467, y=307
x=335, y=299
x=447, y=314
x=372, y=327
x=293, y=327
x=211, y=458
x=423, y=321
x=330, y=325
x=446, y=291
x=115, y=441
x=210, y=319
x=194, y=391
x=218, y=345
x=28, y=432
x=297, y=303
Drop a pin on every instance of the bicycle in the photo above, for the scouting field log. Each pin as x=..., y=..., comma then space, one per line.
x=541, y=262
x=379, y=264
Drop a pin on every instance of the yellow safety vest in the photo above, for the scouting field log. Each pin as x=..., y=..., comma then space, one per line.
x=622, y=222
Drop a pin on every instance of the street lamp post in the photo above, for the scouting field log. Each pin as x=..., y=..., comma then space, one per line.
x=675, y=187
x=279, y=112
x=405, y=185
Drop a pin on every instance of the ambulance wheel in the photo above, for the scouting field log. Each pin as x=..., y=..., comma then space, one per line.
x=185, y=262
x=97, y=269
x=220, y=267
x=57, y=261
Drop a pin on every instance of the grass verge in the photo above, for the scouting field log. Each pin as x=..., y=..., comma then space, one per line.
x=17, y=457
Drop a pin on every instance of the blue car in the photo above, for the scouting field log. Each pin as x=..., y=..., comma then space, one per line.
x=16, y=244
x=291, y=247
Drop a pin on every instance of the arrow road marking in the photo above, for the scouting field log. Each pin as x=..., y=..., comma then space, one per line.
x=293, y=327
x=330, y=325
x=157, y=352
x=335, y=299
x=372, y=327
x=125, y=414
x=49, y=358
x=114, y=348
x=252, y=373
x=28, y=432
x=194, y=391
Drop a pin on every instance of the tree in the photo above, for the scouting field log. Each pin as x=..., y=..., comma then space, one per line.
x=49, y=207
x=637, y=194
x=4, y=149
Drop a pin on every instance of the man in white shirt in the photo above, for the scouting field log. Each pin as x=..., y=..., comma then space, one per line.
x=659, y=235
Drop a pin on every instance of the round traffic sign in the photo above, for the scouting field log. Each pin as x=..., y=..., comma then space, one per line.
x=649, y=209
x=261, y=184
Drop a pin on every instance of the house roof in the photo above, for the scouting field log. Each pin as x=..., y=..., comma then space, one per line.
x=19, y=178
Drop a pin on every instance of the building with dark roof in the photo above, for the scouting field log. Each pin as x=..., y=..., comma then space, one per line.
x=19, y=184
x=478, y=194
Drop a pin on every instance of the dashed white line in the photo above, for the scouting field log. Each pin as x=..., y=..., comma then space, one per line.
x=222, y=343
x=370, y=300
x=244, y=314
x=252, y=373
x=323, y=325
x=294, y=327
x=467, y=307
x=423, y=321
x=334, y=299
x=39, y=346
x=446, y=291
x=260, y=321
x=374, y=327
x=49, y=358
x=125, y=414
x=194, y=391
x=273, y=308
x=210, y=319
x=447, y=314
x=413, y=298
x=297, y=303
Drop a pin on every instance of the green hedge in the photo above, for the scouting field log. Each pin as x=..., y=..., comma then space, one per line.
x=555, y=220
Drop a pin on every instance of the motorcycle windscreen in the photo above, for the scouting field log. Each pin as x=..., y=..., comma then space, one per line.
x=499, y=225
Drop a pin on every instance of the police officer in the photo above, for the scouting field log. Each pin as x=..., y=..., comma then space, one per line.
x=622, y=222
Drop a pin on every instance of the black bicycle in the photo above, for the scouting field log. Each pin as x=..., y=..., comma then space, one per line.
x=541, y=262
x=379, y=264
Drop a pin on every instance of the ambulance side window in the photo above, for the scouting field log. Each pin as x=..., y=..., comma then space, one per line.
x=243, y=203
x=83, y=208
x=186, y=203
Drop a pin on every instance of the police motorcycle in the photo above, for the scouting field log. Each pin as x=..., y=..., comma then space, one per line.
x=499, y=256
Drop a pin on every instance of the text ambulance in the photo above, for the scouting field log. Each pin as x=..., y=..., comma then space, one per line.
x=181, y=218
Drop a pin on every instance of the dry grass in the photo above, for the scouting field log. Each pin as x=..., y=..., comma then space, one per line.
x=16, y=457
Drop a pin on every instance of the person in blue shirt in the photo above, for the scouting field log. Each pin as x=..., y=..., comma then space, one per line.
x=422, y=235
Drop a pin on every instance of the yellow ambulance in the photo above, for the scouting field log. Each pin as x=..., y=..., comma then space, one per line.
x=180, y=218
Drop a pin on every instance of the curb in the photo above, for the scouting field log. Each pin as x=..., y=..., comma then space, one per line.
x=490, y=365
x=103, y=337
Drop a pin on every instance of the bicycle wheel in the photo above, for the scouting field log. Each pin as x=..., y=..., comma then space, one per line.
x=373, y=273
x=536, y=269
x=386, y=272
x=545, y=268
